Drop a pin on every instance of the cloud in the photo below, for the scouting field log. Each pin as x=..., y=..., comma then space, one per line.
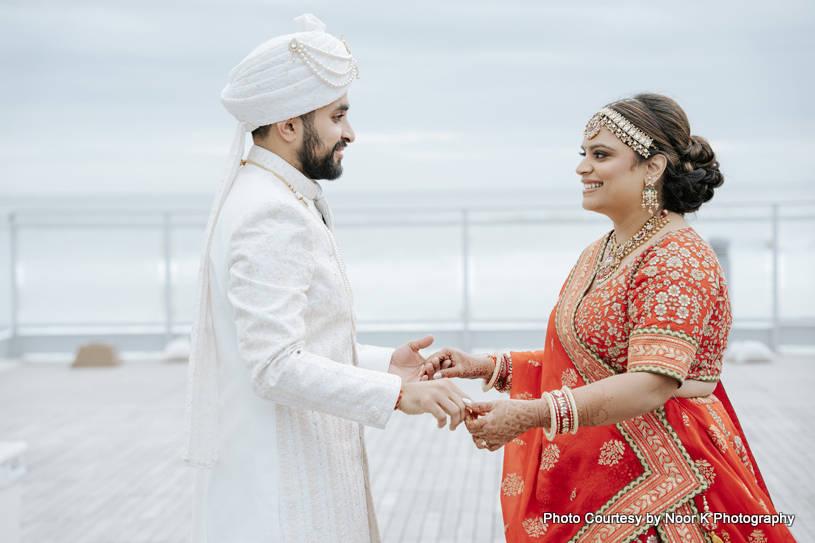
x=378, y=138
x=106, y=97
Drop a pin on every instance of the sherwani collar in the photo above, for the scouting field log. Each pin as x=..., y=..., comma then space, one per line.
x=306, y=187
x=302, y=184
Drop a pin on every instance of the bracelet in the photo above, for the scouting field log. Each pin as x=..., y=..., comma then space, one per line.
x=563, y=412
x=567, y=408
x=398, y=401
x=573, y=404
x=550, y=435
x=563, y=408
x=507, y=384
x=501, y=381
x=559, y=406
x=495, y=372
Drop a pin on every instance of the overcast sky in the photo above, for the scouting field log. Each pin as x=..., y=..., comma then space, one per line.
x=122, y=98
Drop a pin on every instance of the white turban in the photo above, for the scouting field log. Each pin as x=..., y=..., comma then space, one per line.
x=286, y=77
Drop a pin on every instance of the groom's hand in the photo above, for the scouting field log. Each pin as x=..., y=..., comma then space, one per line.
x=439, y=398
x=407, y=363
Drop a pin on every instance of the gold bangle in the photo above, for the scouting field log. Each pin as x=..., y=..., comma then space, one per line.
x=488, y=385
x=550, y=435
x=573, y=403
x=506, y=362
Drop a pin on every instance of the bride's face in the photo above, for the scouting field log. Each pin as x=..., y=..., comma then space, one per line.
x=612, y=178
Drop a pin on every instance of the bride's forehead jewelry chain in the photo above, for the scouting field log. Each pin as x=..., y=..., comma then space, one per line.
x=306, y=53
x=617, y=252
x=622, y=128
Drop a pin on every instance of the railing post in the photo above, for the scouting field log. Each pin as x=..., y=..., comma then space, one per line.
x=465, y=255
x=168, y=279
x=13, y=295
x=776, y=333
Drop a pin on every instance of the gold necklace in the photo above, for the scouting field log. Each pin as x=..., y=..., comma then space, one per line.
x=302, y=201
x=618, y=252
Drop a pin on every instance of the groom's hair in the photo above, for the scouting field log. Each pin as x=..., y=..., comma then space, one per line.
x=262, y=132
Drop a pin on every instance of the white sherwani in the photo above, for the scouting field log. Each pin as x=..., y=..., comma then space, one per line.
x=292, y=398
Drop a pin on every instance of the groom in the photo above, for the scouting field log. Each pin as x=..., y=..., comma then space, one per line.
x=277, y=395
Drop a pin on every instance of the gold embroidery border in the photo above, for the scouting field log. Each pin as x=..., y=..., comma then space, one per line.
x=661, y=370
x=706, y=378
x=594, y=368
x=676, y=334
x=690, y=533
x=705, y=399
x=678, y=370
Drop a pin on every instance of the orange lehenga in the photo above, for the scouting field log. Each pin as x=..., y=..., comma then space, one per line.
x=667, y=312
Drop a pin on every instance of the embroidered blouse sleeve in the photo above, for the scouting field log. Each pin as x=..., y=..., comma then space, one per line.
x=672, y=299
x=270, y=272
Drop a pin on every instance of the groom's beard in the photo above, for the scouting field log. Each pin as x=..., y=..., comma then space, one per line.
x=314, y=164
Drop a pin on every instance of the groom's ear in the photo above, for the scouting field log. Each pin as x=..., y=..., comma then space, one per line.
x=289, y=130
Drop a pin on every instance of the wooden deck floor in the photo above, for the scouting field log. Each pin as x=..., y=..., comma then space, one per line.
x=104, y=459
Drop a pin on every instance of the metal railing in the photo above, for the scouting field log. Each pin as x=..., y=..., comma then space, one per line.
x=166, y=221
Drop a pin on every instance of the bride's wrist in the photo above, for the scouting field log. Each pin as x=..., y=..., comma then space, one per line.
x=487, y=365
x=540, y=413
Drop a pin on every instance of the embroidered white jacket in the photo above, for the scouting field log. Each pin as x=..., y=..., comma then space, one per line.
x=292, y=397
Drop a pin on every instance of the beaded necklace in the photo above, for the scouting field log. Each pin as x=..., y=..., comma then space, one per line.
x=618, y=252
x=302, y=201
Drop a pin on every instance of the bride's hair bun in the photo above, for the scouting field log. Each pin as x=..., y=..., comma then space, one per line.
x=692, y=172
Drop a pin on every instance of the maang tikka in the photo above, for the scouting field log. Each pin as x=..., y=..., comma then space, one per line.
x=649, y=196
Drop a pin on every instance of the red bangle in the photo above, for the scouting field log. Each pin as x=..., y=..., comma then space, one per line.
x=504, y=383
x=499, y=383
x=398, y=401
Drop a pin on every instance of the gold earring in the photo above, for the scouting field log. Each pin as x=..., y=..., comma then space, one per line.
x=649, y=196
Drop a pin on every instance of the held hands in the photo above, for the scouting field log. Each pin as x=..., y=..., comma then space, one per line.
x=454, y=363
x=439, y=398
x=494, y=424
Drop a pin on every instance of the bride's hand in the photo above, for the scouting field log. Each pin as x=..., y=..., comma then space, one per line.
x=494, y=424
x=454, y=363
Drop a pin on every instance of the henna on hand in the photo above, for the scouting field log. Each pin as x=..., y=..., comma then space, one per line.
x=494, y=424
x=591, y=405
x=454, y=363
